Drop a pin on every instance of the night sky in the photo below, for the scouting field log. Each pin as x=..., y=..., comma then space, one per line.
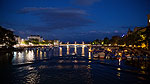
x=73, y=20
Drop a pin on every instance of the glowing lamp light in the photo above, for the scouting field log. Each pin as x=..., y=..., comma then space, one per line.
x=134, y=45
x=118, y=69
x=130, y=45
x=143, y=45
x=120, y=54
x=109, y=49
x=90, y=50
x=143, y=37
x=123, y=35
x=125, y=50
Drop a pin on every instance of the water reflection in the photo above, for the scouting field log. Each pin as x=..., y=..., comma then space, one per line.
x=89, y=56
x=118, y=75
x=6, y=58
x=143, y=65
x=60, y=51
x=56, y=51
x=119, y=61
x=32, y=78
x=44, y=54
x=61, y=67
x=23, y=57
x=75, y=49
x=63, y=51
x=37, y=52
x=83, y=53
x=68, y=50
x=33, y=54
x=41, y=55
x=30, y=55
x=118, y=69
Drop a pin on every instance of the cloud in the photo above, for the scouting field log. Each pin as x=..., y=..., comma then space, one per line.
x=86, y=2
x=56, y=18
x=116, y=31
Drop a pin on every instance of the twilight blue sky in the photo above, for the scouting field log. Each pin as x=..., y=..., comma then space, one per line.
x=73, y=20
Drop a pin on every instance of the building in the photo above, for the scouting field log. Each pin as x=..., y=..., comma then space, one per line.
x=148, y=19
x=17, y=39
x=56, y=42
x=143, y=29
x=6, y=38
x=35, y=38
x=129, y=32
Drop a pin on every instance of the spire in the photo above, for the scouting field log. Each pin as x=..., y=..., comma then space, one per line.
x=129, y=31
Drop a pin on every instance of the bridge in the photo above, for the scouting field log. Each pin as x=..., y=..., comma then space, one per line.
x=75, y=44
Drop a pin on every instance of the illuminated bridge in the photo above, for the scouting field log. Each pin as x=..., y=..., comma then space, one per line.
x=75, y=44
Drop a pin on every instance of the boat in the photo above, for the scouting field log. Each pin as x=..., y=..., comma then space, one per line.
x=107, y=57
x=101, y=55
x=73, y=54
x=95, y=55
x=118, y=56
x=129, y=57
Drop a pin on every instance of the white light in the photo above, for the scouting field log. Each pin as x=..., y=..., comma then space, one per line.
x=123, y=35
x=149, y=20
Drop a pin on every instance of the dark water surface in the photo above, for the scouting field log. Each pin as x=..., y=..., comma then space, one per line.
x=54, y=66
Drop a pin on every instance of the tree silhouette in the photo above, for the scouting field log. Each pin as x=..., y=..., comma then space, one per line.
x=106, y=40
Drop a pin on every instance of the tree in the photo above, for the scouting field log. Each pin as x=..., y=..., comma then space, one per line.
x=106, y=40
x=97, y=41
x=26, y=42
x=35, y=42
x=146, y=36
x=121, y=41
x=44, y=42
x=115, y=40
x=131, y=39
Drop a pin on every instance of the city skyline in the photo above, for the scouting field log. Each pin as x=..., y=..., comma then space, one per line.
x=74, y=20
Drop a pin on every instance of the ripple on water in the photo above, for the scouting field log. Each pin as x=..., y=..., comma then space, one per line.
x=45, y=68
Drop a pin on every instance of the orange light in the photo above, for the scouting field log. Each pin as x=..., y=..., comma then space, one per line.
x=108, y=49
x=120, y=54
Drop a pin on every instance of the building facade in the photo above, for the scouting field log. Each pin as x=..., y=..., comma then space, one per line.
x=129, y=32
x=17, y=39
x=56, y=42
x=148, y=16
x=35, y=38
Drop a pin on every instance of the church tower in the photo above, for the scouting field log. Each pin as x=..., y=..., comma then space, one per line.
x=129, y=31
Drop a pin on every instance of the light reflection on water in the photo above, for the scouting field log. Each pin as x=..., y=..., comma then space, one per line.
x=59, y=68
x=31, y=55
x=23, y=57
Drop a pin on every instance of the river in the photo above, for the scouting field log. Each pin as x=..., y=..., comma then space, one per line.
x=57, y=65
